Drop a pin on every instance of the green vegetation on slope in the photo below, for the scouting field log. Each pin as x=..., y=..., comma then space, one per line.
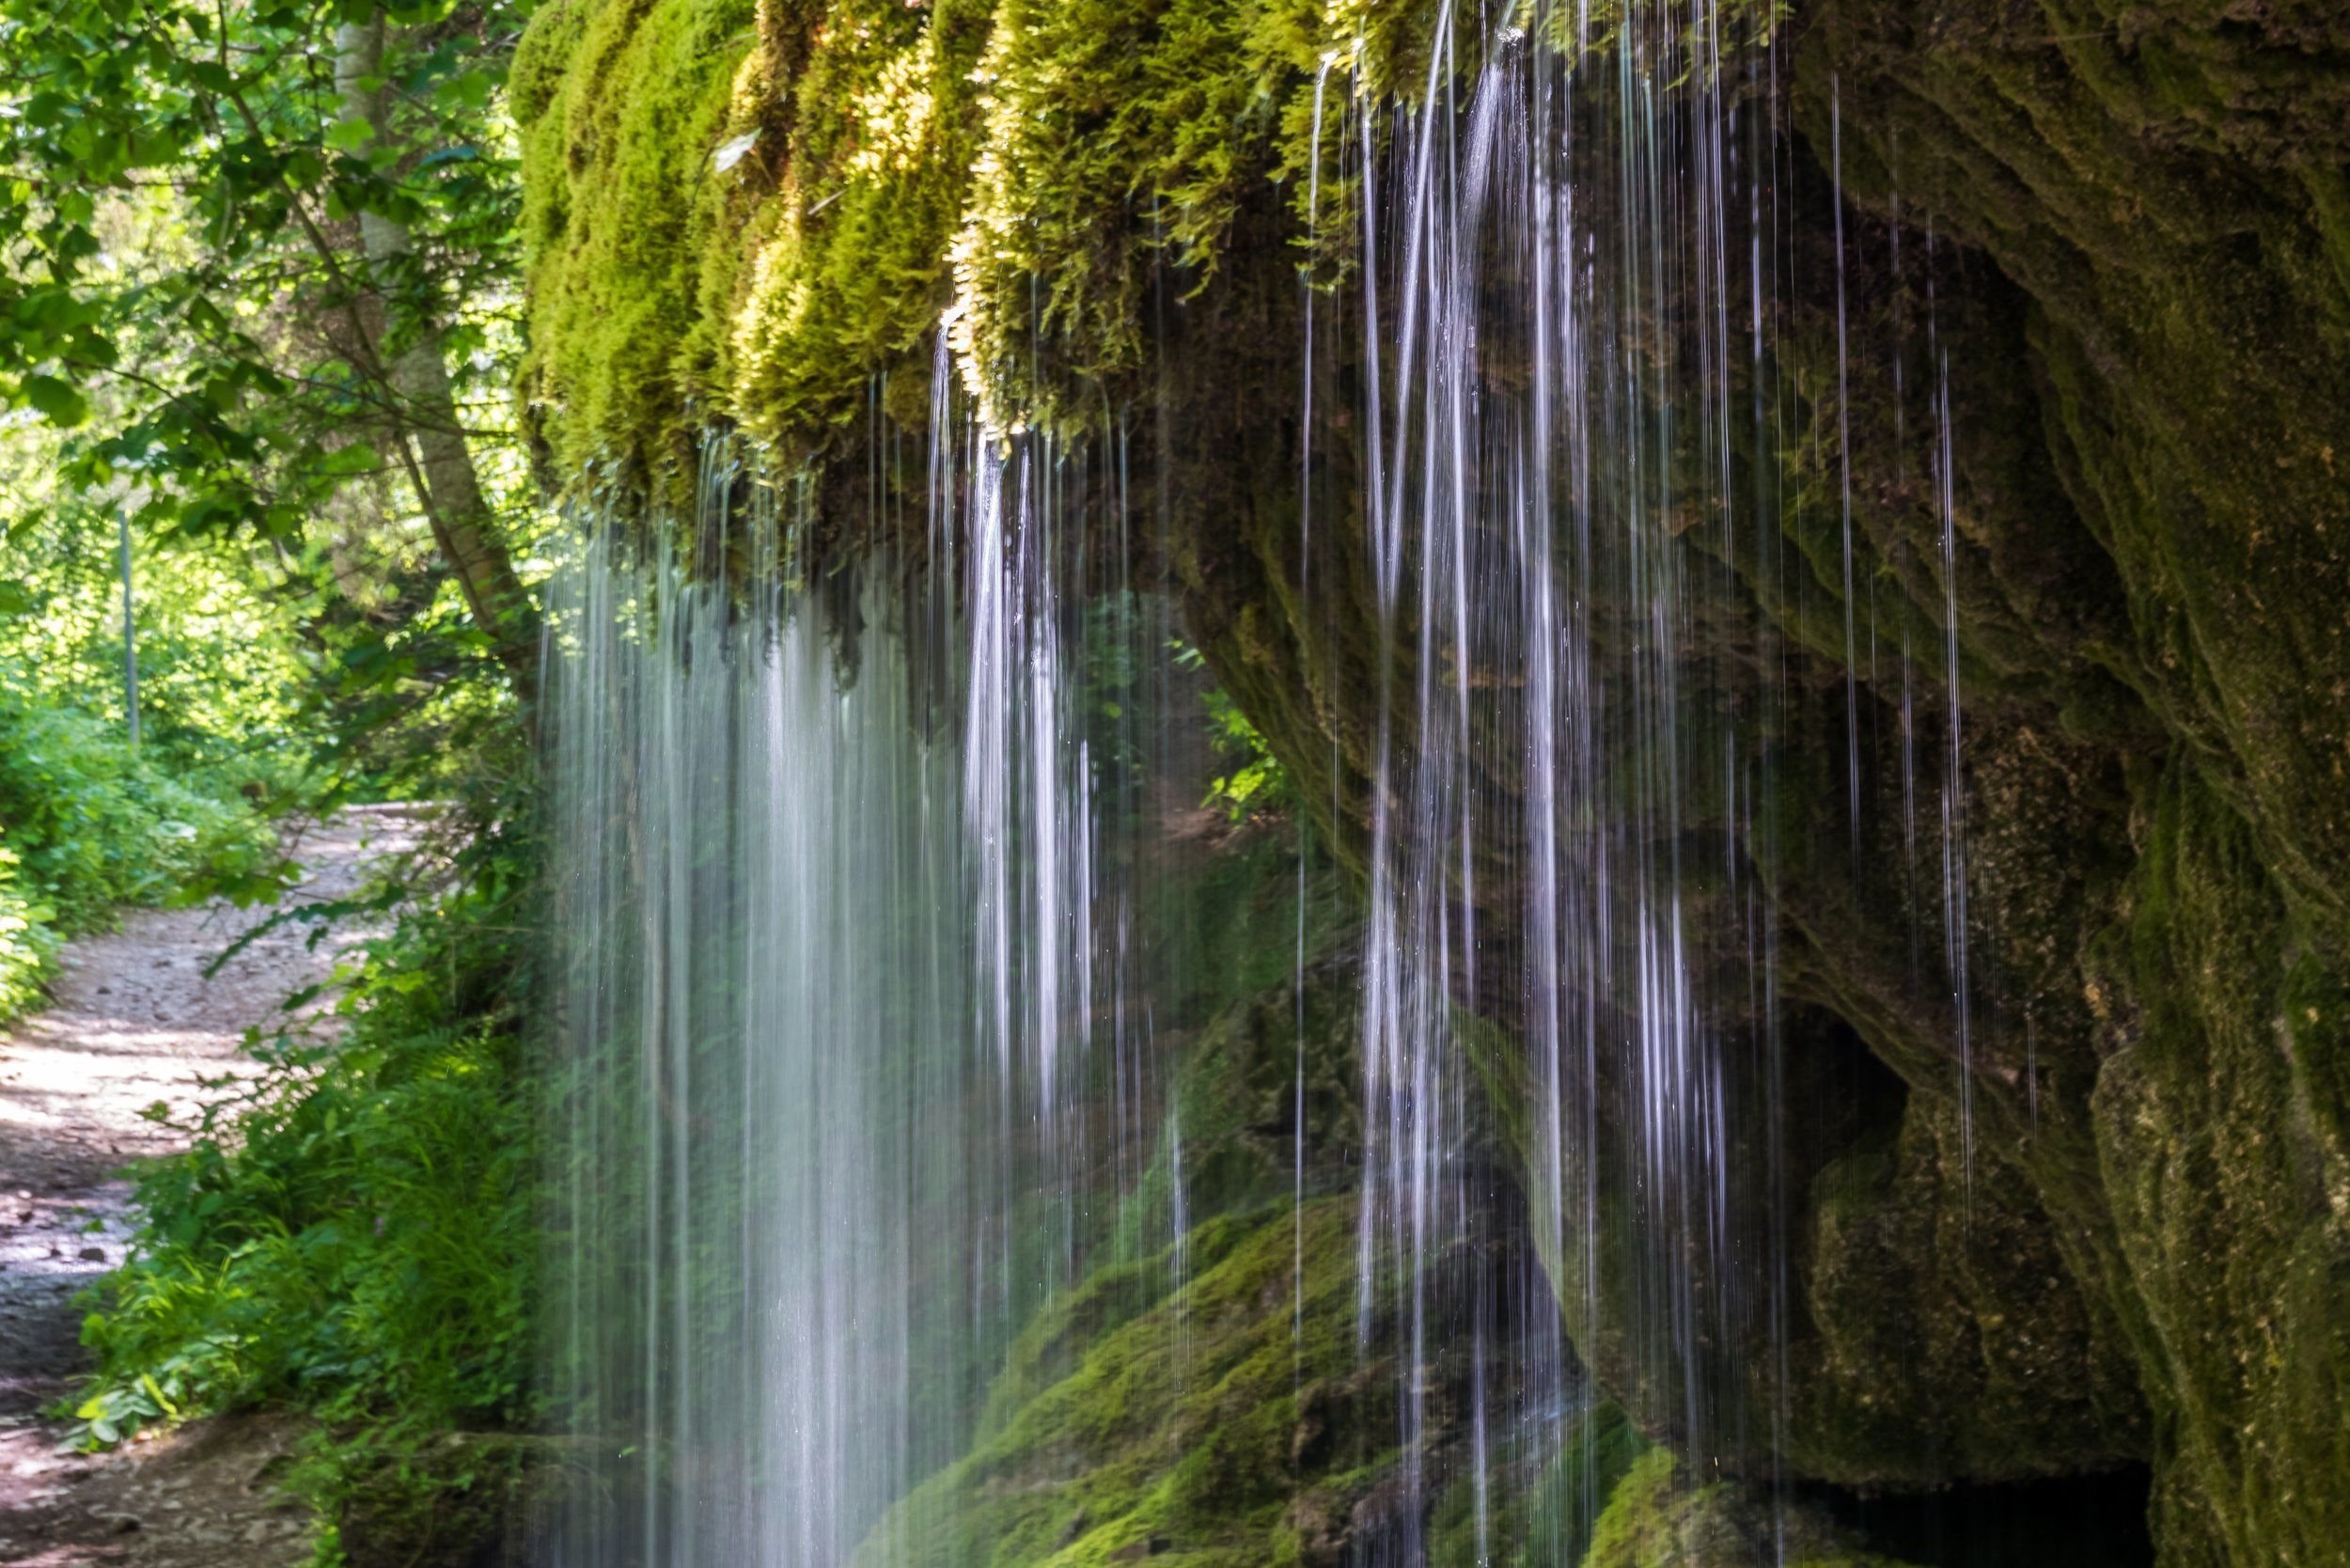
x=1176, y=1434
x=257, y=299
x=350, y=1232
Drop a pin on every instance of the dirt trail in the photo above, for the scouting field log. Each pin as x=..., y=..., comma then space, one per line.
x=134, y=1021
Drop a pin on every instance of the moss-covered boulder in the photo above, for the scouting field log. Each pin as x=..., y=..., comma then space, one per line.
x=1657, y=1520
x=1193, y=1422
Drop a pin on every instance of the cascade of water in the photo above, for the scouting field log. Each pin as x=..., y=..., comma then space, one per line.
x=1557, y=520
x=762, y=985
x=851, y=890
x=863, y=970
x=1555, y=436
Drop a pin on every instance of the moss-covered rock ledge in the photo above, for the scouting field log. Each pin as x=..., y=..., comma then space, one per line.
x=752, y=213
x=2135, y=1250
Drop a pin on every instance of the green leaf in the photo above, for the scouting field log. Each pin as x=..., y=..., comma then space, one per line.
x=357, y=457
x=147, y=1381
x=305, y=168
x=470, y=91
x=57, y=399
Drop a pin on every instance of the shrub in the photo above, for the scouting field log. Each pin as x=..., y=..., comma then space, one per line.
x=26, y=941
x=349, y=1228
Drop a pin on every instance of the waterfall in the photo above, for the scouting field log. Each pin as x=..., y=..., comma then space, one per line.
x=1558, y=268
x=861, y=966
x=883, y=910
x=765, y=1098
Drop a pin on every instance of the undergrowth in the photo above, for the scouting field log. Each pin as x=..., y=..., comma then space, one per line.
x=347, y=1233
x=89, y=825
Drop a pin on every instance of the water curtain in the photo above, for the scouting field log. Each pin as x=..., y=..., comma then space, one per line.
x=882, y=978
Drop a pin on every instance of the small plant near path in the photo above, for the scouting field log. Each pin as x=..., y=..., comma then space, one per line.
x=112, y=1072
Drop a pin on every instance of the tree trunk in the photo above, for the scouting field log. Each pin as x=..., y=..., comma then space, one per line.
x=423, y=407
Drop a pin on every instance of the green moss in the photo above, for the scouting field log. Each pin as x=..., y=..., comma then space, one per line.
x=1656, y=1518
x=1033, y=165
x=1642, y=1524
x=1205, y=1430
x=620, y=105
x=1598, y=1451
x=2223, y=1156
x=1120, y=139
x=2162, y=187
x=846, y=268
x=1053, y=1347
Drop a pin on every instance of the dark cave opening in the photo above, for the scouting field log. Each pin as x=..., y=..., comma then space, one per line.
x=2064, y=1522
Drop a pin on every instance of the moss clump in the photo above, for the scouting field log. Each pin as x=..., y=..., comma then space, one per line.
x=621, y=105
x=1120, y=139
x=1214, y=1428
x=1656, y=1518
x=1537, y=1509
x=743, y=215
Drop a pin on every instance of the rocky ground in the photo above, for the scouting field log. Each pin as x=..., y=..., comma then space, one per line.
x=134, y=1021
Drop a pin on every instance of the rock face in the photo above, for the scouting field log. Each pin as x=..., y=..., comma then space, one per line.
x=2162, y=802
x=2093, y=1212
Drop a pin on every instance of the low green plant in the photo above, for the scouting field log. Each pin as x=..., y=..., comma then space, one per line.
x=348, y=1231
x=95, y=826
x=89, y=825
x=27, y=940
x=1255, y=782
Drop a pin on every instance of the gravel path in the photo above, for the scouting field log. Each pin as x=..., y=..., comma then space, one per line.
x=134, y=1021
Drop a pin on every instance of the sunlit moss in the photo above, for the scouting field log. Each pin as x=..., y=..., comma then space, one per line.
x=1658, y=1518
x=1184, y=1432
x=743, y=216
x=621, y=106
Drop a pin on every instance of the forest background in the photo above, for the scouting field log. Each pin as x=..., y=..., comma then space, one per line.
x=258, y=302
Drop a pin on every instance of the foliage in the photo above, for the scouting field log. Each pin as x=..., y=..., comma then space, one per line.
x=349, y=1230
x=193, y=333
x=27, y=940
x=230, y=384
x=95, y=826
x=91, y=822
x=227, y=244
x=221, y=665
x=1257, y=781
x=89, y=825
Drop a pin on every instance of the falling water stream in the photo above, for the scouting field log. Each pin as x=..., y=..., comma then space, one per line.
x=874, y=997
